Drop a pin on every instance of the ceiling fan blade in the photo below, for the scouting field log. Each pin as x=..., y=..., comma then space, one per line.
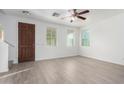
x=83, y=18
x=84, y=12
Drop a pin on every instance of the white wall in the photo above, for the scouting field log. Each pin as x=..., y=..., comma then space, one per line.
x=10, y=24
x=106, y=40
x=3, y=57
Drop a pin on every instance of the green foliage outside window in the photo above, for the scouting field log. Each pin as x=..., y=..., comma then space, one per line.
x=85, y=39
x=51, y=36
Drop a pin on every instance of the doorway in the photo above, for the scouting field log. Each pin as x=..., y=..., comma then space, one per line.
x=26, y=42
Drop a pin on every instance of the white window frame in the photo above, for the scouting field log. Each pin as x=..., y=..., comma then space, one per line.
x=74, y=37
x=52, y=29
x=86, y=44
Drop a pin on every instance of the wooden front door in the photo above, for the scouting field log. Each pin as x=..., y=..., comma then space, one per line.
x=26, y=42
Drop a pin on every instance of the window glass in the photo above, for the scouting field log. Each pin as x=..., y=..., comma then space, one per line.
x=51, y=36
x=85, y=39
x=70, y=38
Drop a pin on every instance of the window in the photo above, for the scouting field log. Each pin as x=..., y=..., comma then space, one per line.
x=85, y=41
x=51, y=36
x=70, y=38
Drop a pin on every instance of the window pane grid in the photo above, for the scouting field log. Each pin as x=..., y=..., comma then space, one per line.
x=51, y=37
x=85, y=39
x=70, y=38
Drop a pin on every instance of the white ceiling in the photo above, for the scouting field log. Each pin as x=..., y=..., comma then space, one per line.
x=95, y=15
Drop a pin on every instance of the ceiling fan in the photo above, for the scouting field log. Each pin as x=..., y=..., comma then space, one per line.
x=76, y=14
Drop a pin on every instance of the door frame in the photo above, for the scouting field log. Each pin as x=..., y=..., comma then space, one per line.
x=18, y=40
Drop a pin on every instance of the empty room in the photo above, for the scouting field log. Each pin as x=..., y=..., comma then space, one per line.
x=61, y=46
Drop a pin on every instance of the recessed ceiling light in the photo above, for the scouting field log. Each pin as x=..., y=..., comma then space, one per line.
x=26, y=12
x=56, y=14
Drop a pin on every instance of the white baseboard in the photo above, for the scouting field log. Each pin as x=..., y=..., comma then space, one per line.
x=102, y=60
x=39, y=59
x=4, y=70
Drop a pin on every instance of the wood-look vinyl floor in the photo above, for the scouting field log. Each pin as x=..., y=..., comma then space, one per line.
x=71, y=70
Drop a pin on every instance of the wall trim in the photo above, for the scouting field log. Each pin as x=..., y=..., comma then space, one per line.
x=99, y=59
